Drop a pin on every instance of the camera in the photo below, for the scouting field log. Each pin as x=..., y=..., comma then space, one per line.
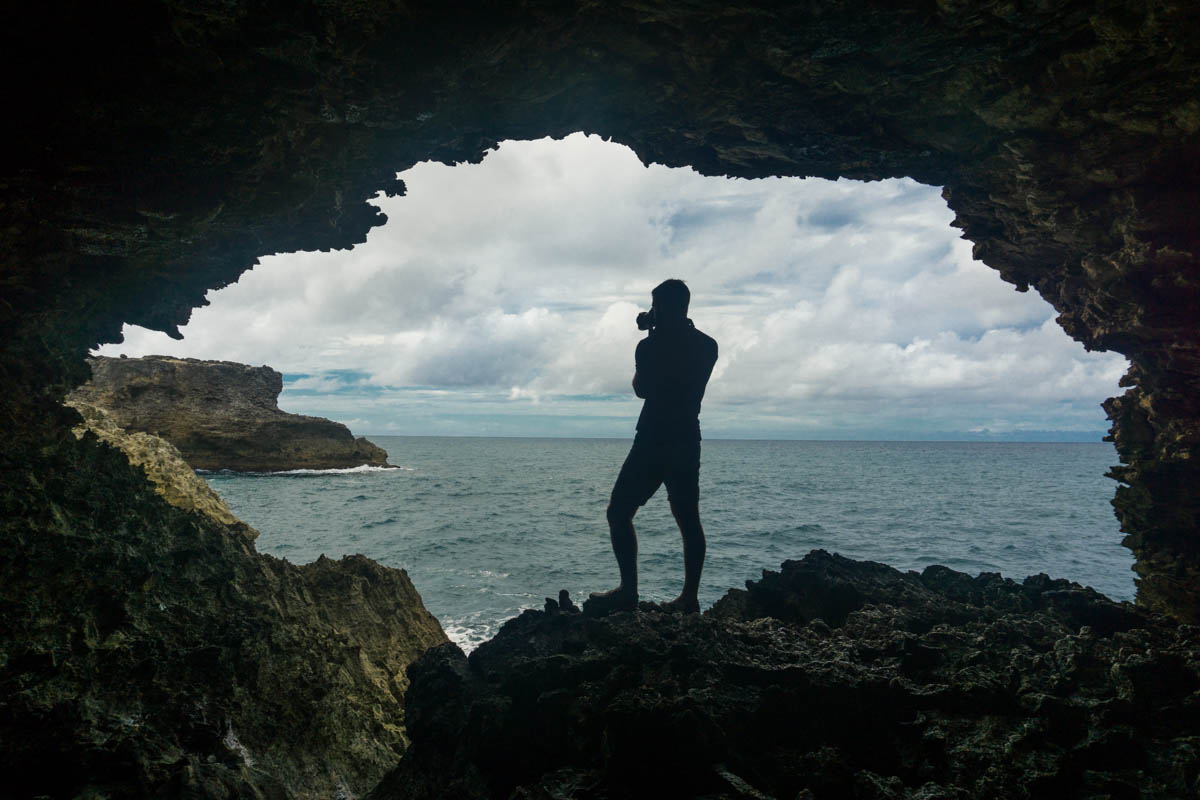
x=645, y=320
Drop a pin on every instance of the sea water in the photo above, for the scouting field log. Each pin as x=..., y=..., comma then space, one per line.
x=488, y=527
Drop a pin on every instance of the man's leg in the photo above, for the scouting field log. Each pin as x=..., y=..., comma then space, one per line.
x=687, y=516
x=683, y=488
x=624, y=544
x=637, y=481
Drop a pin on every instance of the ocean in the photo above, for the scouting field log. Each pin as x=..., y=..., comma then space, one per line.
x=487, y=527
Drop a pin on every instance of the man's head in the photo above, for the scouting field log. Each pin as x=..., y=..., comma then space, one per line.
x=670, y=300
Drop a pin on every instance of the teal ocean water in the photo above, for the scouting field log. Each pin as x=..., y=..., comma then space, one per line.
x=488, y=527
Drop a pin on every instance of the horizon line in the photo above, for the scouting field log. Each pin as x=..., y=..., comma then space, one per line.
x=738, y=439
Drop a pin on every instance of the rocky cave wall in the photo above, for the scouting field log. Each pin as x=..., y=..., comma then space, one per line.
x=157, y=148
x=161, y=147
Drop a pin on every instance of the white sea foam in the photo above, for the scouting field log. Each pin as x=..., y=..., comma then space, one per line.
x=342, y=471
x=362, y=468
x=470, y=630
x=468, y=637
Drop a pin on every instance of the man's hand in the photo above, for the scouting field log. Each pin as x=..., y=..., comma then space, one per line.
x=637, y=389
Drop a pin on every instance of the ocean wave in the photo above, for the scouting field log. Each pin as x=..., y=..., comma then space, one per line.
x=470, y=631
x=362, y=468
x=467, y=638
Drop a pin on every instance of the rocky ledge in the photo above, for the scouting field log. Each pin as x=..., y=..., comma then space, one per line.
x=167, y=658
x=829, y=679
x=221, y=415
x=173, y=478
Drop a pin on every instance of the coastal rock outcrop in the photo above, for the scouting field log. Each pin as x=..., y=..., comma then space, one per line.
x=174, y=479
x=829, y=678
x=221, y=415
x=148, y=651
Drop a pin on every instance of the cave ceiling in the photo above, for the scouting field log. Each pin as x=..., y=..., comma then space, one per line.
x=159, y=148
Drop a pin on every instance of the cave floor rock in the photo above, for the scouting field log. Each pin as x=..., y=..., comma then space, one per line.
x=829, y=679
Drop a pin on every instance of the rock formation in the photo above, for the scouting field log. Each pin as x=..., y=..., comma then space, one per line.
x=831, y=678
x=220, y=415
x=157, y=151
x=174, y=479
x=146, y=650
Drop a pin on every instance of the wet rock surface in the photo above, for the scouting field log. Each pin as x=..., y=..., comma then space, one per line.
x=829, y=679
x=148, y=651
x=220, y=414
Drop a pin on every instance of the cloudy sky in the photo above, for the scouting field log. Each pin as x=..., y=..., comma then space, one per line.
x=500, y=299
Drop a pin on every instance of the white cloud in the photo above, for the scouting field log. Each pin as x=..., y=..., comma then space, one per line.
x=319, y=384
x=840, y=307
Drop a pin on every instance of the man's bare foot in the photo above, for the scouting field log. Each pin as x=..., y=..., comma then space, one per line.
x=599, y=604
x=682, y=605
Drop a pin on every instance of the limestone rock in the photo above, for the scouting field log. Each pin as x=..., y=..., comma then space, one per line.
x=166, y=658
x=173, y=478
x=830, y=678
x=221, y=415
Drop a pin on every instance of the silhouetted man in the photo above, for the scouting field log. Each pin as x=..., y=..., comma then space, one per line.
x=673, y=364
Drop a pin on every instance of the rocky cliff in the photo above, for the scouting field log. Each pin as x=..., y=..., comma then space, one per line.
x=173, y=478
x=147, y=650
x=829, y=679
x=220, y=415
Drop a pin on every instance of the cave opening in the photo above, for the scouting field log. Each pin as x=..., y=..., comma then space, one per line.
x=498, y=301
x=183, y=141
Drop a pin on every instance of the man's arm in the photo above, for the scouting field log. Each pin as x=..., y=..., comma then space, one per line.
x=639, y=356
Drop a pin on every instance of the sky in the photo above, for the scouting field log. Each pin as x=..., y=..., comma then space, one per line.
x=499, y=300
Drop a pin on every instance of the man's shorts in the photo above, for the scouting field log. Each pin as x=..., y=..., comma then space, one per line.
x=650, y=465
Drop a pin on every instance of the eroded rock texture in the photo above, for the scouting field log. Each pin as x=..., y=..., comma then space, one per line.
x=221, y=415
x=829, y=679
x=159, y=149
x=148, y=651
x=173, y=478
